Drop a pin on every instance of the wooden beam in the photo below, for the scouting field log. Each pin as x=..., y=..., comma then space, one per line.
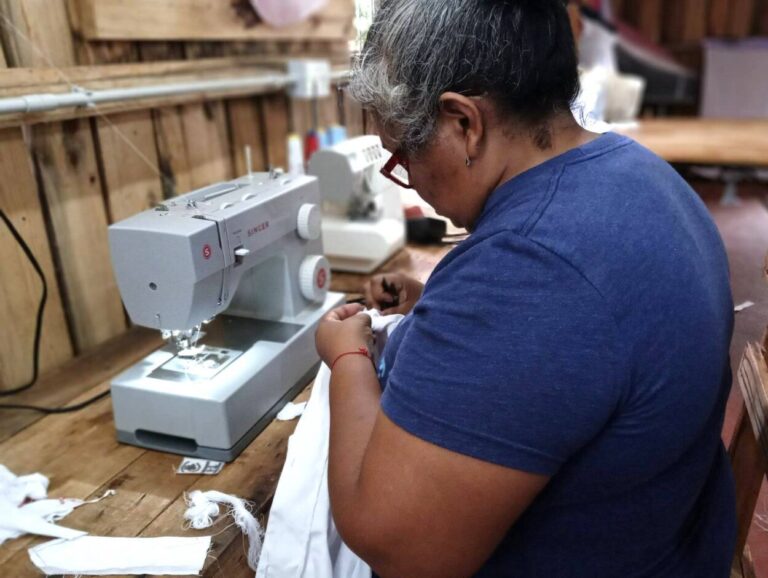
x=23, y=80
x=36, y=33
x=202, y=20
x=66, y=161
x=20, y=286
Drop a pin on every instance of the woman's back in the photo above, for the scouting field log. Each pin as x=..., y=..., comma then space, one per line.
x=583, y=332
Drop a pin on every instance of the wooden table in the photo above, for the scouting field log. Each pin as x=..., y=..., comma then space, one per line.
x=80, y=455
x=731, y=142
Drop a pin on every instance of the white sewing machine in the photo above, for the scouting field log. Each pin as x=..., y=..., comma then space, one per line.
x=249, y=254
x=363, y=223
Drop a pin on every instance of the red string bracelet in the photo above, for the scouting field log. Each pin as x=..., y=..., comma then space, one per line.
x=360, y=351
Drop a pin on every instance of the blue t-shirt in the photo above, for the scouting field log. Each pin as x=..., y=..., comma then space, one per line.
x=582, y=332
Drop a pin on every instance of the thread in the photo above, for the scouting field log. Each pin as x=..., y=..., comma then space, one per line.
x=203, y=509
x=295, y=155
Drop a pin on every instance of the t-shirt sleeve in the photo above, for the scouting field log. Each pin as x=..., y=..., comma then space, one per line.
x=511, y=357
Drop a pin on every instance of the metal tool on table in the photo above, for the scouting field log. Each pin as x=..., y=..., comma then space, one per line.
x=235, y=278
x=363, y=223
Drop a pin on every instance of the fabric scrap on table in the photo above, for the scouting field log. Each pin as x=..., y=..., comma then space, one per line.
x=101, y=556
x=203, y=509
x=742, y=306
x=291, y=411
x=24, y=508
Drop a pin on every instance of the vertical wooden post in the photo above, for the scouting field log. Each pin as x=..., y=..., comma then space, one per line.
x=39, y=36
x=719, y=11
x=66, y=161
x=276, y=122
x=246, y=128
x=742, y=18
x=36, y=33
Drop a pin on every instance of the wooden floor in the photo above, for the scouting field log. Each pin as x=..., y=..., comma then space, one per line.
x=744, y=229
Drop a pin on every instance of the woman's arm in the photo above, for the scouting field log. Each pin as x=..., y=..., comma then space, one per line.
x=406, y=506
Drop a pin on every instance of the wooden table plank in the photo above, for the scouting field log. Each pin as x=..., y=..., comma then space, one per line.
x=737, y=142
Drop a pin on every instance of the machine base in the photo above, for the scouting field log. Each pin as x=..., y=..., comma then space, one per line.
x=188, y=448
x=214, y=405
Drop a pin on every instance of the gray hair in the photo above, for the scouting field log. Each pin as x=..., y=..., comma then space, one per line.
x=520, y=52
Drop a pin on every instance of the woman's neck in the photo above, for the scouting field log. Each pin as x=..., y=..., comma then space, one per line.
x=522, y=149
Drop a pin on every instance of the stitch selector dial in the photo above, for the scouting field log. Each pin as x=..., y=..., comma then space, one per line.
x=315, y=277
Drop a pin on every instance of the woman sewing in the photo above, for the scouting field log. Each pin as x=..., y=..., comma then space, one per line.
x=551, y=405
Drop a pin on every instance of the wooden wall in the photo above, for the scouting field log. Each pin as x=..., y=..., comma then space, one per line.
x=62, y=182
x=681, y=25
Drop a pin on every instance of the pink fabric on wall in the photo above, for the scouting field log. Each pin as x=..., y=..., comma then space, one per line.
x=280, y=13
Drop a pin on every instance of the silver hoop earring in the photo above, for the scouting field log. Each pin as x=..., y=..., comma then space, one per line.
x=469, y=161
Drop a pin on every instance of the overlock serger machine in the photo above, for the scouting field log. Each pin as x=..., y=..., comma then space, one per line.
x=363, y=222
x=235, y=278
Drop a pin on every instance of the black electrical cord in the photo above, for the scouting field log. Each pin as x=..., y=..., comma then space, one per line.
x=41, y=308
x=38, y=334
x=67, y=409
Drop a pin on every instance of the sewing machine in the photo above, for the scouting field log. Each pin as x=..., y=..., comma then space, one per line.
x=363, y=223
x=235, y=278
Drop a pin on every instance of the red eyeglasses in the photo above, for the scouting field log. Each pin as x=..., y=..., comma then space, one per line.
x=396, y=170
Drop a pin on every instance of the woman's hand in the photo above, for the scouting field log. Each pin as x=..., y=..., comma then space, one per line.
x=393, y=293
x=342, y=330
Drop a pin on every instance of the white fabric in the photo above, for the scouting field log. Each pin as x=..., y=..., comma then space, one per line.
x=291, y=411
x=280, y=13
x=203, y=508
x=19, y=516
x=301, y=539
x=99, y=556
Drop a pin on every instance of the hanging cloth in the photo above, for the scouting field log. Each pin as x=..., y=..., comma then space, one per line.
x=301, y=539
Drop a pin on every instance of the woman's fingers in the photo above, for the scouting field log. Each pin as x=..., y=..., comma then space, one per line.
x=344, y=312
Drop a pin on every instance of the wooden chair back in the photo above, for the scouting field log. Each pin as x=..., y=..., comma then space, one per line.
x=749, y=449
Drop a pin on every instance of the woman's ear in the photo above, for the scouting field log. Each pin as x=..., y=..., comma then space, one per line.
x=463, y=118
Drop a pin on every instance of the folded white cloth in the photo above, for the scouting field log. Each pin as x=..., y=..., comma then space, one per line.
x=99, y=556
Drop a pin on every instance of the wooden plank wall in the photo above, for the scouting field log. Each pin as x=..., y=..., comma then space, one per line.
x=62, y=183
x=681, y=25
